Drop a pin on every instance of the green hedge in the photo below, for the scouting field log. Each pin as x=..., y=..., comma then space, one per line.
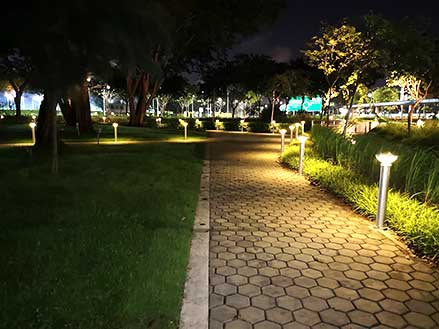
x=416, y=222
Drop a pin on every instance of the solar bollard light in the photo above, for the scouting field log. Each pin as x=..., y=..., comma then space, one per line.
x=291, y=132
x=282, y=140
x=185, y=124
x=297, y=126
x=386, y=160
x=115, y=125
x=32, y=126
x=302, y=140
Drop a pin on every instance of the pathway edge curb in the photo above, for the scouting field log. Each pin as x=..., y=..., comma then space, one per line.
x=195, y=309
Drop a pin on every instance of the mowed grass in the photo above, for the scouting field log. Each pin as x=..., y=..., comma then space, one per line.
x=104, y=244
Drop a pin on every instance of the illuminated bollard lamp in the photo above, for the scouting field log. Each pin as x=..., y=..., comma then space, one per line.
x=115, y=125
x=386, y=160
x=302, y=140
x=32, y=126
x=291, y=132
x=282, y=140
x=185, y=124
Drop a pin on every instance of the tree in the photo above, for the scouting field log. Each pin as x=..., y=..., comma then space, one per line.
x=201, y=32
x=334, y=52
x=411, y=57
x=17, y=70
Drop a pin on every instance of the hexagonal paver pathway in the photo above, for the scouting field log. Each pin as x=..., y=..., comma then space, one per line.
x=284, y=254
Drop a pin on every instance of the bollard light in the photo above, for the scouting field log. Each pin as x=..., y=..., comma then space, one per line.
x=242, y=125
x=115, y=125
x=297, y=126
x=32, y=126
x=158, y=121
x=77, y=129
x=312, y=124
x=104, y=118
x=291, y=132
x=303, y=126
x=2, y=117
x=282, y=140
x=386, y=160
x=34, y=117
x=302, y=141
x=185, y=124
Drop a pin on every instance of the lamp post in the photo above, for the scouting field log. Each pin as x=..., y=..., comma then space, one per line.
x=291, y=132
x=32, y=126
x=115, y=125
x=185, y=124
x=386, y=160
x=297, y=126
x=302, y=140
x=282, y=140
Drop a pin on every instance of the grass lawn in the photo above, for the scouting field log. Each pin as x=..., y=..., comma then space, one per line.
x=104, y=244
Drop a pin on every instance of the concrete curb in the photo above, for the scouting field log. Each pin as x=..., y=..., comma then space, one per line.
x=195, y=310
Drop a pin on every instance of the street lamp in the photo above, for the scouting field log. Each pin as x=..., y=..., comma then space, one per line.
x=115, y=125
x=386, y=160
x=302, y=139
x=32, y=126
x=282, y=140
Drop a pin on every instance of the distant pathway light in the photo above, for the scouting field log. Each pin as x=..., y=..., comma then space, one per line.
x=302, y=141
x=185, y=124
x=386, y=160
x=282, y=141
x=291, y=132
x=32, y=126
x=115, y=125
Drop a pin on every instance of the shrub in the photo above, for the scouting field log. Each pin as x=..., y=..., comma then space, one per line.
x=416, y=172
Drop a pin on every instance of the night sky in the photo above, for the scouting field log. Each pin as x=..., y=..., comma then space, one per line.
x=301, y=20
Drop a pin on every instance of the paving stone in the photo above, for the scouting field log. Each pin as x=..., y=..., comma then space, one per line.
x=279, y=315
x=238, y=324
x=223, y=313
x=392, y=320
x=263, y=302
x=249, y=290
x=267, y=325
x=306, y=317
x=363, y=318
x=334, y=317
x=252, y=314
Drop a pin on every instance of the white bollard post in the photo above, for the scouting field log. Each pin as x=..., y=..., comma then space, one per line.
x=32, y=126
x=185, y=124
x=282, y=140
x=386, y=160
x=291, y=132
x=115, y=125
x=302, y=140
x=303, y=126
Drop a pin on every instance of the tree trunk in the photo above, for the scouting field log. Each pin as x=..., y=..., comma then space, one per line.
x=410, y=117
x=17, y=101
x=132, y=85
x=67, y=111
x=81, y=105
x=348, y=115
x=46, y=132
